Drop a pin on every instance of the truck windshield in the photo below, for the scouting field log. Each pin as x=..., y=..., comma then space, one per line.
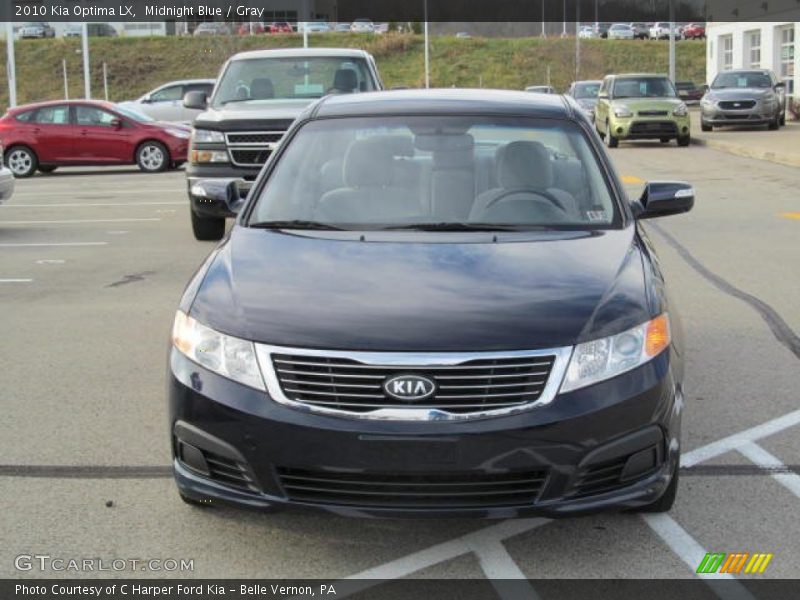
x=263, y=79
x=437, y=173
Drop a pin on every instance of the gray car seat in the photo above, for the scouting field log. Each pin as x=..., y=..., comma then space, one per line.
x=262, y=89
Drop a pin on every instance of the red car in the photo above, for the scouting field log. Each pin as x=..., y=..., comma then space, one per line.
x=281, y=27
x=47, y=135
x=694, y=31
x=245, y=28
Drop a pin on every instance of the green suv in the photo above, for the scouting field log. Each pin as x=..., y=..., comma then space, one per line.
x=640, y=107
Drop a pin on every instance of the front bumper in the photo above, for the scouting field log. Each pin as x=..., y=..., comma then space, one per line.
x=196, y=173
x=6, y=184
x=629, y=425
x=757, y=115
x=649, y=128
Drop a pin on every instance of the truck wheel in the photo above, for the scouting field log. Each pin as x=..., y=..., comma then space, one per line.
x=22, y=161
x=207, y=229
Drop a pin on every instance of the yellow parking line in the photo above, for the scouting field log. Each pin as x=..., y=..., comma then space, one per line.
x=790, y=215
x=631, y=179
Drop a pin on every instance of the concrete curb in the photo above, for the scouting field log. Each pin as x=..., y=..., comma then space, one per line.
x=783, y=158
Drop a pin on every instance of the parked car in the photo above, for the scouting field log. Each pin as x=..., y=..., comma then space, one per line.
x=541, y=89
x=362, y=26
x=585, y=94
x=281, y=27
x=620, y=31
x=47, y=135
x=315, y=27
x=660, y=31
x=342, y=27
x=602, y=29
x=165, y=103
x=587, y=32
x=251, y=28
x=257, y=97
x=689, y=92
x=641, y=107
x=92, y=30
x=463, y=35
x=694, y=31
x=744, y=97
x=6, y=180
x=367, y=345
x=641, y=31
x=35, y=30
x=212, y=28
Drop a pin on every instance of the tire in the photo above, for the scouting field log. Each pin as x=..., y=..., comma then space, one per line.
x=783, y=119
x=611, y=141
x=706, y=127
x=774, y=123
x=684, y=140
x=176, y=164
x=663, y=504
x=22, y=161
x=152, y=157
x=207, y=229
x=47, y=168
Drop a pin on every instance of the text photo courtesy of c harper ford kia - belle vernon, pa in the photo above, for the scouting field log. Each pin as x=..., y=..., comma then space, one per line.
x=376, y=299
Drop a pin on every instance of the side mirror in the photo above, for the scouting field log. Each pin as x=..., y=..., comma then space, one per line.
x=195, y=100
x=225, y=191
x=602, y=95
x=116, y=123
x=147, y=99
x=663, y=198
x=704, y=88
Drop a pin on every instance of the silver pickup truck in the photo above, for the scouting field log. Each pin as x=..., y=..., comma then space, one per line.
x=257, y=96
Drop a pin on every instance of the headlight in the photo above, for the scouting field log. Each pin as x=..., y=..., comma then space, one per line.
x=225, y=355
x=179, y=133
x=206, y=136
x=681, y=110
x=605, y=358
x=622, y=111
x=208, y=156
x=707, y=101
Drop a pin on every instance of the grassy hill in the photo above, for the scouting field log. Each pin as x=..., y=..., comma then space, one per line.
x=136, y=65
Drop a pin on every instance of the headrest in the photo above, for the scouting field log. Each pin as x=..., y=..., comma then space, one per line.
x=524, y=165
x=262, y=89
x=369, y=162
x=345, y=80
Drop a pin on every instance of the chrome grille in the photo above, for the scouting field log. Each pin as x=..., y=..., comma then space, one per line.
x=467, y=384
x=250, y=157
x=252, y=148
x=259, y=138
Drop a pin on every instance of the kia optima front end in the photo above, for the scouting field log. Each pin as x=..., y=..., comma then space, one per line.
x=432, y=303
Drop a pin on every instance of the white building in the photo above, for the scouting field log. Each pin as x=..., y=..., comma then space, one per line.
x=755, y=45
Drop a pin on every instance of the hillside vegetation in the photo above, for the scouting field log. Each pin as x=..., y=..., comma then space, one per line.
x=136, y=65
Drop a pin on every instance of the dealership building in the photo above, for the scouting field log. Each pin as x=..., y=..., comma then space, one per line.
x=755, y=45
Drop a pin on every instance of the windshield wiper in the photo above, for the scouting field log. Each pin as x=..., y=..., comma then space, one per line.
x=461, y=226
x=294, y=224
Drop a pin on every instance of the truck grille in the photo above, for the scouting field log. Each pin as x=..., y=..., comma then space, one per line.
x=259, y=138
x=252, y=148
x=250, y=157
x=470, y=386
x=385, y=490
x=736, y=104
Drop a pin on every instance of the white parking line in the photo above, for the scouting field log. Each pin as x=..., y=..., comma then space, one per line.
x=498, y=565
x=48, y=244
x=92, y=204
x=71, y=221
x=757, y=454
x=16, y=280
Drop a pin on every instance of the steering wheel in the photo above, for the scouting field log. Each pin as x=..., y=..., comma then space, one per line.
x=544, y=194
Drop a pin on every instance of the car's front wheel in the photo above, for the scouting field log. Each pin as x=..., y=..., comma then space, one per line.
x=22, y=161
x=152, y=157
x=611, y=141
x=684, y=141
x=706, y=127
x=207, y=229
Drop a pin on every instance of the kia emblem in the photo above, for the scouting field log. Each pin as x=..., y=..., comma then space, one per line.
x=409, y=387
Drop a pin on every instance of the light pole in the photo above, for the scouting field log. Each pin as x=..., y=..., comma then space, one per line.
x=672, y=41
x=544, y=35
x=11, y=67
x=87, y=82
x=564, y=20
x=427, y=49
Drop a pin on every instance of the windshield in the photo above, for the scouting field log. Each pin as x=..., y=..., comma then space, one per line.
x=133, y=114
x=754, y=79
x=434, y=172
x=291, y=78
x=587, y=90
x=643, y=87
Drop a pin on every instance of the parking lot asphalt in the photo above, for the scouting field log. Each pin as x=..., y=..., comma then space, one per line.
x=93, y=262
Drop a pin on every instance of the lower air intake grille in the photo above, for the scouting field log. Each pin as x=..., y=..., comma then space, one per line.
x=608, y=476
x=467, y=490
x=229, y=472
x=653, y=128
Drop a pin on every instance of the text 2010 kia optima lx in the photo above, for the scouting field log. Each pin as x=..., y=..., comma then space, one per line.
x=432, y=303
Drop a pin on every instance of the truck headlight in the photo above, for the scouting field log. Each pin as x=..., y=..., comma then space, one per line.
x=681, y=111
x=206, y=136
x=225, y=355
x=622, y=111
x=208, y=156
x=605, y=358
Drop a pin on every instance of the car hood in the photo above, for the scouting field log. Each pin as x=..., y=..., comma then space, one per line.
x=637, y=104
x=265, y=109
x=540, y=290
x=739, y=93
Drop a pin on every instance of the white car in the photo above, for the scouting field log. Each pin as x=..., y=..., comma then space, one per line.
x=165, y=103
x=587, y=32
x=362, y=26
x=6, y=180
x=620, y=31
x=660, y=31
